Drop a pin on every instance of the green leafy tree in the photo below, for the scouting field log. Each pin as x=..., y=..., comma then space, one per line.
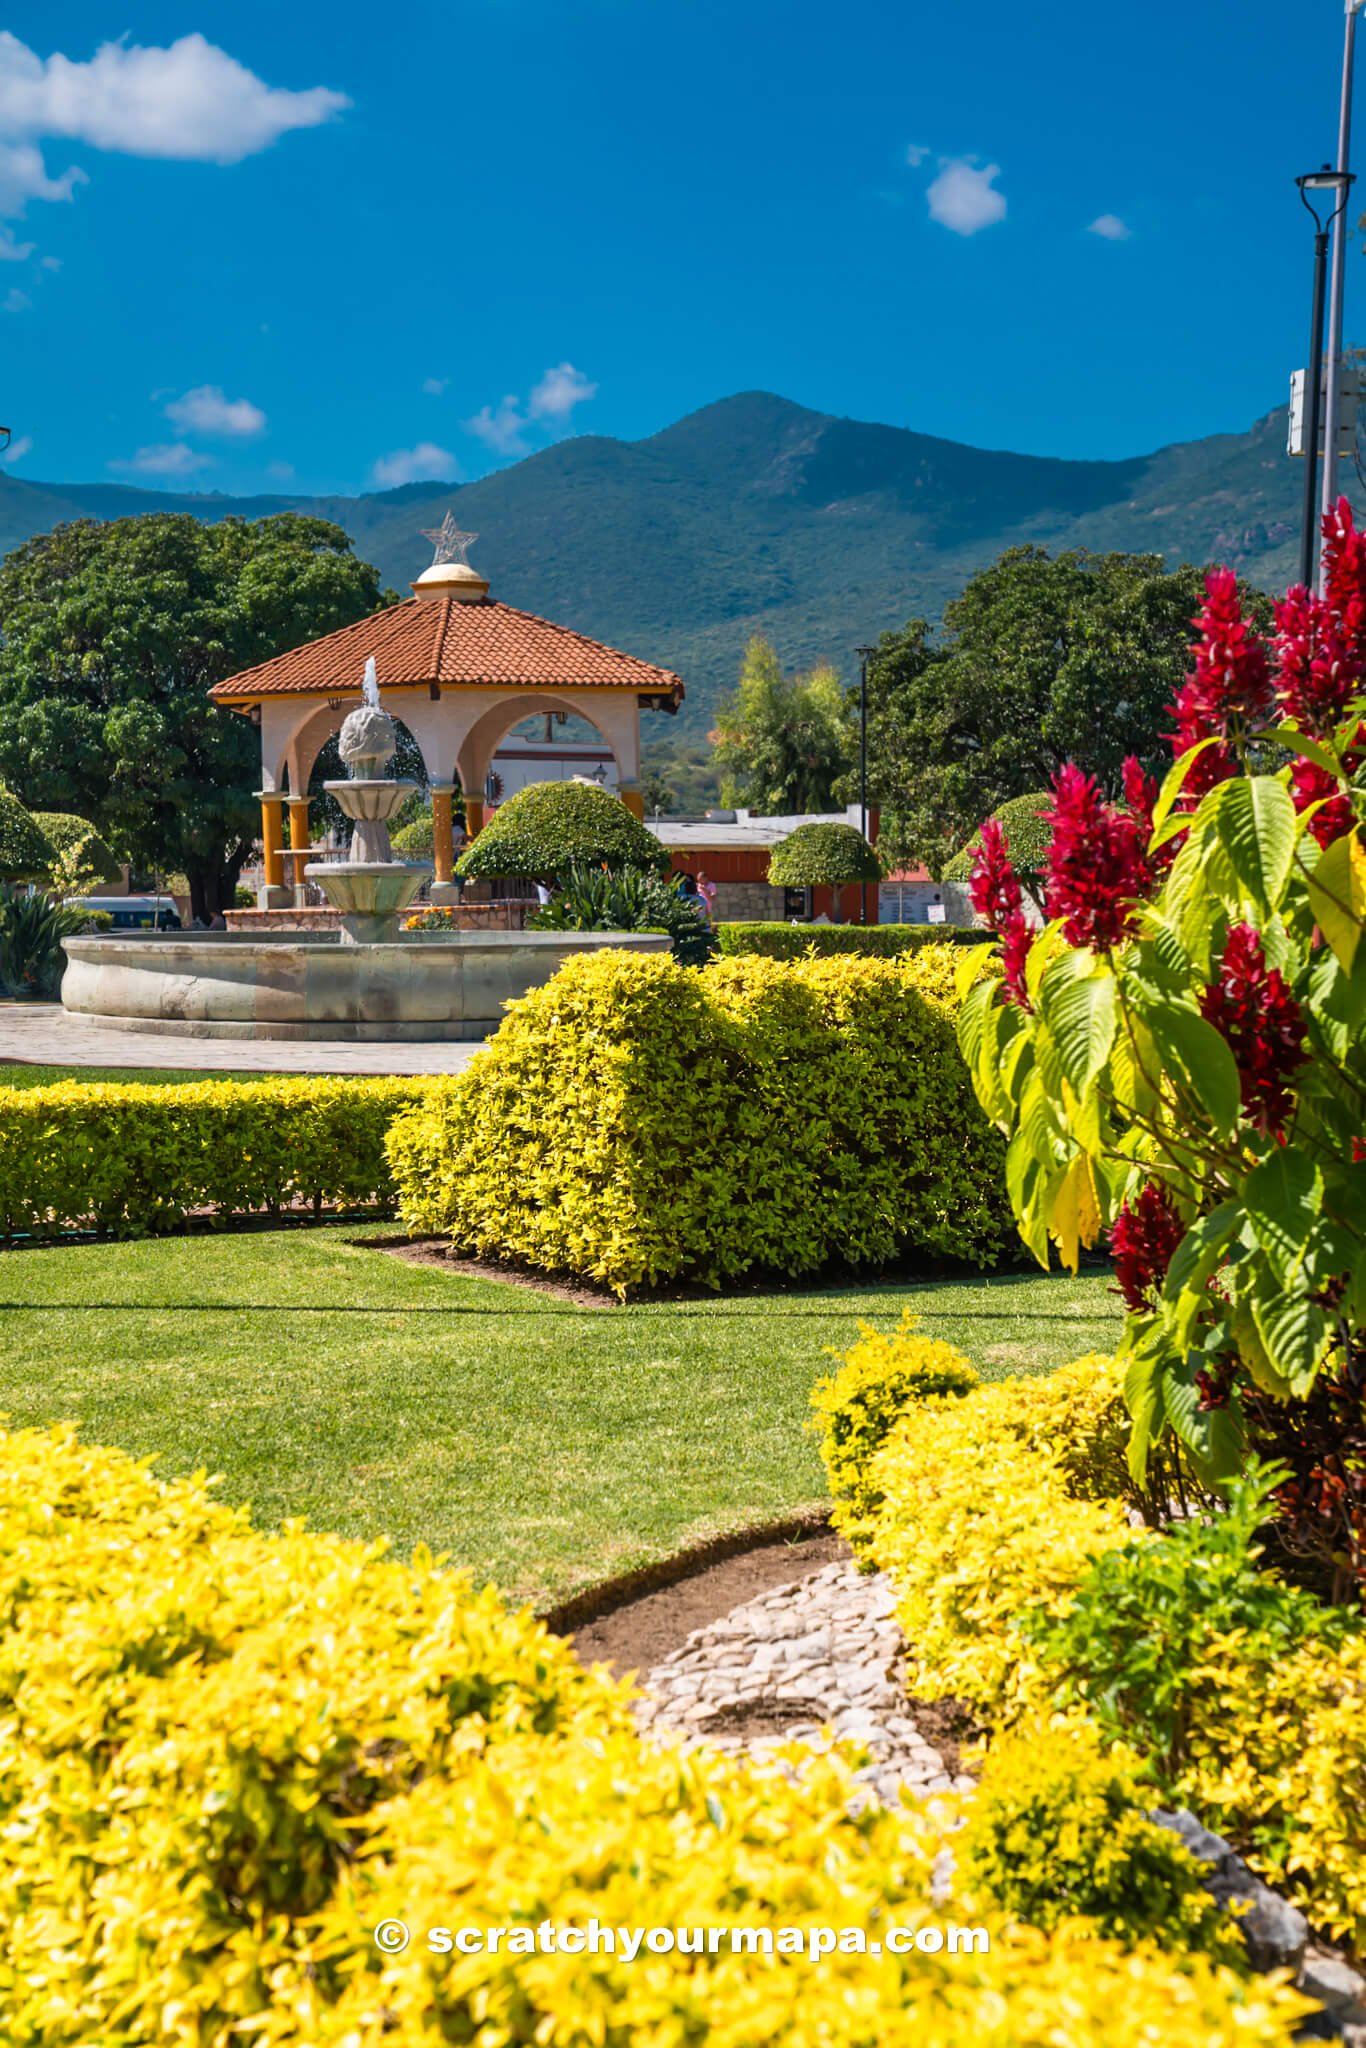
x=823, y=856
x=781, y=742
x=1043, y=660
x=549, y=827
x=113, y=635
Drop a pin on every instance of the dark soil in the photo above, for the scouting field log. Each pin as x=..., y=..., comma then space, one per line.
x=946, y=1724
x=642, y=1628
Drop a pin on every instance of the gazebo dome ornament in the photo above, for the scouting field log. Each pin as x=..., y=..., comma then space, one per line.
x=449, y=543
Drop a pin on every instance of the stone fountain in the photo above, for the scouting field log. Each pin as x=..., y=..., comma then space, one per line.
x=370, y=888
x=367, y=981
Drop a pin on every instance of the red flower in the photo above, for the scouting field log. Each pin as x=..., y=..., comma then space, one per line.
x=1228, y=690
x=994, y=893
x=1251, y=1004
x=1344, y=583
x=1096, y=867
x=1016, y=939
x=1310, y=784
x=1318, y=662
x=1142, y=1239
x=994, y=887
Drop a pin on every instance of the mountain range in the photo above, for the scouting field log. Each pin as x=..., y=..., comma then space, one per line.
x=757, y=515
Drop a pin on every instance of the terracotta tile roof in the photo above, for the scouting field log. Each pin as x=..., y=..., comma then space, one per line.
x=440, y=640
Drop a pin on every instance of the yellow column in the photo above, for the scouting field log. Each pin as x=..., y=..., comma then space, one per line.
x=298, y=829
x=474, y=815
x=272, y=837
x=443, y=838
x=634, y=800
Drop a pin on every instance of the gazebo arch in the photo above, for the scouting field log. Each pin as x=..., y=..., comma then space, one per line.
x=460, y=669
x=620, y=734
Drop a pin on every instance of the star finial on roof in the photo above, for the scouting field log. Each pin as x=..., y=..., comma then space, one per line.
x=449, y=542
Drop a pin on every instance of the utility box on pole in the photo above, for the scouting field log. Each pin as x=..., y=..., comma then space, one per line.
x=1349, y=397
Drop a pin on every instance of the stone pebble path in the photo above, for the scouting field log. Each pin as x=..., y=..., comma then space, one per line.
x=822, y=1651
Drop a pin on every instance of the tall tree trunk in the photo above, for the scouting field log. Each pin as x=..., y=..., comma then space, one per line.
x=213, y=886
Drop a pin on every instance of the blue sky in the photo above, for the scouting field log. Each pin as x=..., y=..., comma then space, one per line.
x=257, y=246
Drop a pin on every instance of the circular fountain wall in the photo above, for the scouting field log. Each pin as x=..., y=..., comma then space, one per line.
x=427, y=985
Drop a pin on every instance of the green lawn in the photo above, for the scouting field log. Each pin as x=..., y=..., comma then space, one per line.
x=543, y=1444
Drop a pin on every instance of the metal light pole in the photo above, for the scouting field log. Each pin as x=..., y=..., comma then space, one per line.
x=865, y=655
x=1325, y=180
x=1333, y=373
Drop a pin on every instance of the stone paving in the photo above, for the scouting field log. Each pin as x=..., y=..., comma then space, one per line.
x=44, y=1035
x=821, y=1652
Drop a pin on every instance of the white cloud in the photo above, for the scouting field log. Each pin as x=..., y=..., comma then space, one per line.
x=12, y=251
x=963, y=196
x=165, y=459
x=504, y=427
x=17, y=301
x=916, y=154
x=17, y=450
x=1110, y=228
x=283, y=472
x=23, y=176
x=558, y=392
x=500, y=427
x=206, y=411
x=49, y=262
x=434, y=386
x=414, y=465
x=190, y=100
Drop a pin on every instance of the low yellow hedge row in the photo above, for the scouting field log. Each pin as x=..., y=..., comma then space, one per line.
x=226, y=1758
x=128, y=1158
x=988, y=1505
x=634, y=1121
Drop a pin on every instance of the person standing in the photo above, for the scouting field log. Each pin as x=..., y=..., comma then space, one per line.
x=706, y=889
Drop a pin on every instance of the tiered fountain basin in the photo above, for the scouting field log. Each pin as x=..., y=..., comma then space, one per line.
x=420, y=986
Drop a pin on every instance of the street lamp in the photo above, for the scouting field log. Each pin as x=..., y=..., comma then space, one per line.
x=1326, y=181
x=865, y=655
x=1335, y=298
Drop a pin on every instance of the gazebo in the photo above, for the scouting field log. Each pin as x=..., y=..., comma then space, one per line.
x=459, y=669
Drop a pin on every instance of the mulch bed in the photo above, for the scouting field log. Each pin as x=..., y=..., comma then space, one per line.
x=634, y=1626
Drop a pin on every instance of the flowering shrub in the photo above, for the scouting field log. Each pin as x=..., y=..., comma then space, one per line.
x=1179, y=1057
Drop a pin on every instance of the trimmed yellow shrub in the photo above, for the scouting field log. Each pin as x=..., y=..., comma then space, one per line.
x=225, y=1758
x=978, y=1522
x=128, y=1158
x=856, y=1408
x=1058, y=1830
x=633, y=1122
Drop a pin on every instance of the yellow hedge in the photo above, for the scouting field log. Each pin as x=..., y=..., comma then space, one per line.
x=634, y=1121
x=225, y=1758
x=128, y=1158
x=983, y=1505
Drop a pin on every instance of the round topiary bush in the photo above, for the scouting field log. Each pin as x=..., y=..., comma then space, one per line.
x=414, y=841
x=68, y=834
x=1028, y=832
x=818, y=855
x=550, y=827
x=26, y=853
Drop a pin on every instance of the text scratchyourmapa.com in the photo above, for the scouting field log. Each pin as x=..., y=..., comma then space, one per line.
x=596, y=1938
